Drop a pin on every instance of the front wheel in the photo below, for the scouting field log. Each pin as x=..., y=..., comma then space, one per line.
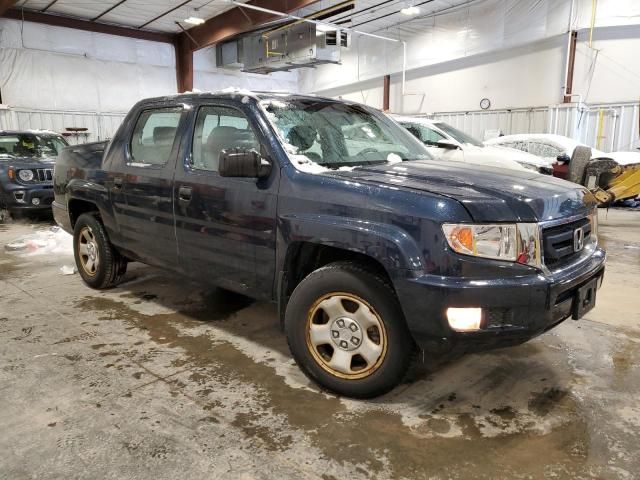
x=347, y=332
x=98, y=262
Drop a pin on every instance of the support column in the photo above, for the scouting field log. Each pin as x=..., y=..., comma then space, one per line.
x=568, y=88
x=386, y=88
x=184, y=63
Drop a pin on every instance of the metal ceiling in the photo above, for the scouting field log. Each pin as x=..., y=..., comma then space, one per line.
x=377, y=16
x=161, y=15
x=157, y=15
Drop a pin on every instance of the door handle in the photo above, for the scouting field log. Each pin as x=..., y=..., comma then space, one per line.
x=117, y=183
x=184, y=194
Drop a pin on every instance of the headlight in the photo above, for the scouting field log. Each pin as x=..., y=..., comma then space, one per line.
x=25, y=175
x=518, y=242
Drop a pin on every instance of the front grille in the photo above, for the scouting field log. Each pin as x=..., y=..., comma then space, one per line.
x=43, y=174
x=557, y=242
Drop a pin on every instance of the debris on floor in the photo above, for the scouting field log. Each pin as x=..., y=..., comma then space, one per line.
x=53, y=240
x=67, y=270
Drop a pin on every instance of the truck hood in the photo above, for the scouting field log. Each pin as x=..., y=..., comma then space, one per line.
x=489, y=194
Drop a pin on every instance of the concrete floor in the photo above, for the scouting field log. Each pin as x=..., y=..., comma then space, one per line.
x=161, y=379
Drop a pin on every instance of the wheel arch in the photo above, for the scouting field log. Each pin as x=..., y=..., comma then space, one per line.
x=77, y=207
x=382, y=249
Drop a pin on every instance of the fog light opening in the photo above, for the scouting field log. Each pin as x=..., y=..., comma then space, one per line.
x=35, y=201
x=464, y=319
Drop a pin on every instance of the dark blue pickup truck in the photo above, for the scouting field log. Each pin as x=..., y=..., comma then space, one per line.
x=330, y=209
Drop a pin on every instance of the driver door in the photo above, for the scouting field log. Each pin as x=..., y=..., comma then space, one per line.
x=226, y=227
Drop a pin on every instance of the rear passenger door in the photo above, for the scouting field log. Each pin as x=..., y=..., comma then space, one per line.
x=142, y=191
x=225, y=226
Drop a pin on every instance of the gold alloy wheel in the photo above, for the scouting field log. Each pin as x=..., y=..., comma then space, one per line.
x=88, y=251
x=346, y=336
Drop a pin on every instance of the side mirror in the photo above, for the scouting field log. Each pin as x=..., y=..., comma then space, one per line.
x=240, y=162
x=447, y=144
x=563, y=158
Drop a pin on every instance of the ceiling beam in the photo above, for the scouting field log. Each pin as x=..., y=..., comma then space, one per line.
x=6, y=5
x=88, y=26
x=234, y=21
x=49, y=5
x=104, y=12
x=165, y=13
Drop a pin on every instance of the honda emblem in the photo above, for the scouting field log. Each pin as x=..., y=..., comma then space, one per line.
x=578, y=239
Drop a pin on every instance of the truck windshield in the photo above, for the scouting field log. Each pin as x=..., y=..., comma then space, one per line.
x=333, y=134
x=458, y=135
x=30, y=145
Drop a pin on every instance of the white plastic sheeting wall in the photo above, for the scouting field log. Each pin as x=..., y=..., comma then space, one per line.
x=527, y=75
x=609, y=72
x=54, y=68
x=478, y=27
x=510, y=51
x=207, y=77
x=617, y=128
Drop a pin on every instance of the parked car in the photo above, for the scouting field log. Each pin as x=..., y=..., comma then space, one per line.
x=368, y=251
x=611, y=177
x=557, y=148
x=449, y=143
x=26, y=169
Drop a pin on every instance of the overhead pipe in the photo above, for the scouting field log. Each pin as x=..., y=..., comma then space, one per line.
x=332, y=25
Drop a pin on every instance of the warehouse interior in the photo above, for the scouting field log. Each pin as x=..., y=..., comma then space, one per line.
x=166, y=375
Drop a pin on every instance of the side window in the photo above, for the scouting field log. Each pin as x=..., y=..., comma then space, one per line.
x=429, y=136
x=217, y=129
x=153, y=136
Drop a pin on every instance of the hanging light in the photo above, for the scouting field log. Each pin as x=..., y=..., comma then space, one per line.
x=193, y=18
x=410, y=10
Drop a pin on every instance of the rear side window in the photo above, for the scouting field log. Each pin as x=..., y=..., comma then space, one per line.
x=544, y=149
x=220, y=128
x=153, y=136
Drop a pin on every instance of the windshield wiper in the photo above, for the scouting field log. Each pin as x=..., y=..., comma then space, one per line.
x=352, y=164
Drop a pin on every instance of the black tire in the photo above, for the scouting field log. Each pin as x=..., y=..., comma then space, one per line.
x=110, y=266
x=354, y=287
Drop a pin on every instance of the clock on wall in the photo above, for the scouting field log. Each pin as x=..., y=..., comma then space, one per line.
x=485, y=103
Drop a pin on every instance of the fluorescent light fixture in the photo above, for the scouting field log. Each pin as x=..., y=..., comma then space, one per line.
x=464, y=319
x=324, y=28
x=410, y=10
x=194, y=20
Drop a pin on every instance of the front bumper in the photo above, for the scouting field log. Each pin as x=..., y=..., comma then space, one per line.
x=516, y=308
x=22, y=197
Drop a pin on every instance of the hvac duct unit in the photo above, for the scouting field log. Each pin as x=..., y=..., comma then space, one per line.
x=229, y=54
x=298, y=46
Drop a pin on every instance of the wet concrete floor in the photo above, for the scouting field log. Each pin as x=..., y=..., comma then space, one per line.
x=160, y=378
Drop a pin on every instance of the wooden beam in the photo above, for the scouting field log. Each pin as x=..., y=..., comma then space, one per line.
x=386, y=88
x=184, y=63
x=234, y=21
x=70, y=22
x=6, y=5
x=568, y=89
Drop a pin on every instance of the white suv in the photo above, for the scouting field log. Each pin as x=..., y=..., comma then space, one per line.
x=448, y=143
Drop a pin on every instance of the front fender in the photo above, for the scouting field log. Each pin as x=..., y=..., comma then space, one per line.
x=390, y=245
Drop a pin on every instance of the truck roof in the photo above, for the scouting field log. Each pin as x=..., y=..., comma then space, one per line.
x=234, y=93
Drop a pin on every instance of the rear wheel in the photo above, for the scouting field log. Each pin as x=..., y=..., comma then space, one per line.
x=98, y=263
x=346, y=331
